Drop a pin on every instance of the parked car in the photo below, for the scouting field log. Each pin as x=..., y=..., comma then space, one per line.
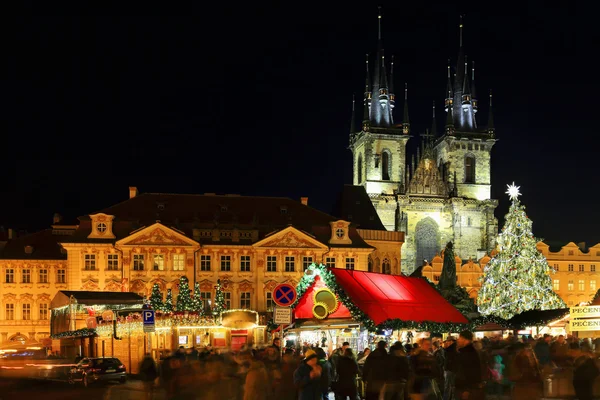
x=90, y=370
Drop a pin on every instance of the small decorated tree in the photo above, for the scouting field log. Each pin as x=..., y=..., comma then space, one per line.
x=197, y=305
x=517, y=278
x=184, y=297
x=220, y=305
x=168, y=304
x=156, y=298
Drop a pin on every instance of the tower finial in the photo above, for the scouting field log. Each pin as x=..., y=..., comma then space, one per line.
x=460, y=26
x=367, y=95
x=433, y=124
x=491, y=129
x=472, y=71
x=353, y=118
x=379, y=21
x=405, y=120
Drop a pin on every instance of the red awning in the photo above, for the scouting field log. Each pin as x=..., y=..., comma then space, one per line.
x=383, y=297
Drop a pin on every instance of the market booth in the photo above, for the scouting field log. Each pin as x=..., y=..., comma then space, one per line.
x=338, y=305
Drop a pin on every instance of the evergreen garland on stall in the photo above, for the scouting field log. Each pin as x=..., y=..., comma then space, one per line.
x=197, y=305
x=168, y=304
x=357, y=314
x=184, y=297
x=156, y=298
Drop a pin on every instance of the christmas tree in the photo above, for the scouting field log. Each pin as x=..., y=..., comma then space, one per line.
x=156, y=298
x=517, y=278
x=184, y=297
x=168, y=304
x=197, y=299
x=220, y=305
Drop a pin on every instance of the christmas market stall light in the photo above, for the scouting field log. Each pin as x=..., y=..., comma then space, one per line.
x=517, y=278
x=357, y=314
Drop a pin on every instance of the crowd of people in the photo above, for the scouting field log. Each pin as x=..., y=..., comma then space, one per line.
x=456, y=368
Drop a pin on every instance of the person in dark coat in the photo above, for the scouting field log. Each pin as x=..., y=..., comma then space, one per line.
x=326, y=372
x=375, y=371
x=585, y=372
x=450, y=356
x=468, y=369
x=307, y=378
x=148, y=373
x=398, y=374
x=347, y=371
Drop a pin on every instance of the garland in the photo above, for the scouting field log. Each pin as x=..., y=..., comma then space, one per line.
x=358, y=315
x=83, y=332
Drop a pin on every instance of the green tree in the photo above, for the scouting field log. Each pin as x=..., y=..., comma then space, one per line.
x=184, y=297
x=220, y=304
x=197, y=305
x=168, y=304
x=517, y=278
x=156, y=298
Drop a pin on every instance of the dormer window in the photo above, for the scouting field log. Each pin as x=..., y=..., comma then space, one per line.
x=101, y=227
x=340, y=233
x=28, y=249
x=283, y=210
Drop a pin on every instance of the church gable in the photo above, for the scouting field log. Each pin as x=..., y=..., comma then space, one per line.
x=290, y=237
x=157, y=235
x=427, y=179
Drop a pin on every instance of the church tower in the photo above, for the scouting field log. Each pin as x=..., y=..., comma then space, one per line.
x=443, y=192
x=379, y=148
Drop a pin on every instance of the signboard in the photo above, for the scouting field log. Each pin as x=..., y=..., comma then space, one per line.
x=585, y=324
x=284, y=295
x=148, y=317
x=282, y=315
x=585, y=312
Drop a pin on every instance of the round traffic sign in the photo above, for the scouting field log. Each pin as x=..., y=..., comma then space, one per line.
x=284, y=295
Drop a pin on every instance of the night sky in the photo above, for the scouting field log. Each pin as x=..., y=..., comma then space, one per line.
x=257, y=101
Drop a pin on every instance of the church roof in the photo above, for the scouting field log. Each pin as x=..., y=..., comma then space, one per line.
x=354, y=205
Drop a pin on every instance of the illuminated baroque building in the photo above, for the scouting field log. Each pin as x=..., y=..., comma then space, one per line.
x=576, y=278
x=444, y=193
x=250, y=243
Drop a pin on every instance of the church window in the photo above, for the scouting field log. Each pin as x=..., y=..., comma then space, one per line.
x=386, y=267
x=464, y=147
x=385, y=166
x=426, y=238
x=360, y=169
x=377, y=156
x=469, y=146
x=468, y=221
x=469, y=169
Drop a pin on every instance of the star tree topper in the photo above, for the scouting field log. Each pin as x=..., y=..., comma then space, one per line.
x=513, y=191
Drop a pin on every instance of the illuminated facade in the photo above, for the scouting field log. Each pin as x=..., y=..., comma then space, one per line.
x=250, y=243
x=576, y=278
x=444, y=194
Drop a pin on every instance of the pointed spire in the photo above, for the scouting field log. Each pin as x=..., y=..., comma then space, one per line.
x=383, y=83
x=460, y=26
x=413, y=164
x=449, y=93
x=474, y=101
x=379, y=21
x=405, y=120
x=449, y=123
x=367, y=94
x=433, y=123
x=391, y=84
x=353, y=118
x=466, y=89
x=491, y=129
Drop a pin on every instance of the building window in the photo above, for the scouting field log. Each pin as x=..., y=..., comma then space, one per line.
x=204, y=263
x=225, y=263
x=581, y=268
x=339, y=233
x=330, y=262
x=10, y=311
x=593, y=268
x=349, y=262
x=159, y=262
x=290, y=264
x=245, y=263
x=570, y=286
x=271, y=263
x=43, y=275
x=556, y=267
x=138, y=262
x=26, y=276
x=270, y=303
x=385, y=166
x=306, y=261
x=61, y=276
x=10, y=275
x=44, y=311
x=112, y=262
x=581, y=285
x=178, y=262
x=26, y=312
x=101, y=227
x=570, y=268
x=386, y=267
x=593, y=285
x=245, y=300
x=469, y=169
x=359, y=173
x=205, y=296
x=556, y=285
x=227, y=299
x=90, y=262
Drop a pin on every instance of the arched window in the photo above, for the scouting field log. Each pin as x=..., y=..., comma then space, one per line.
x=385, y=166
x=469, y=169
x=370, y=264
x=360, y=169
x=386, y=267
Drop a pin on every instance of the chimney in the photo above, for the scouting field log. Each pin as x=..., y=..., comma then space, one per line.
x=304, y=201
x=11, y=233
x=132, y=192
x=56, y=219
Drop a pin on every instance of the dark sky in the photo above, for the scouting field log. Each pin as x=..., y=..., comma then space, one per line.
x=257, y=101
